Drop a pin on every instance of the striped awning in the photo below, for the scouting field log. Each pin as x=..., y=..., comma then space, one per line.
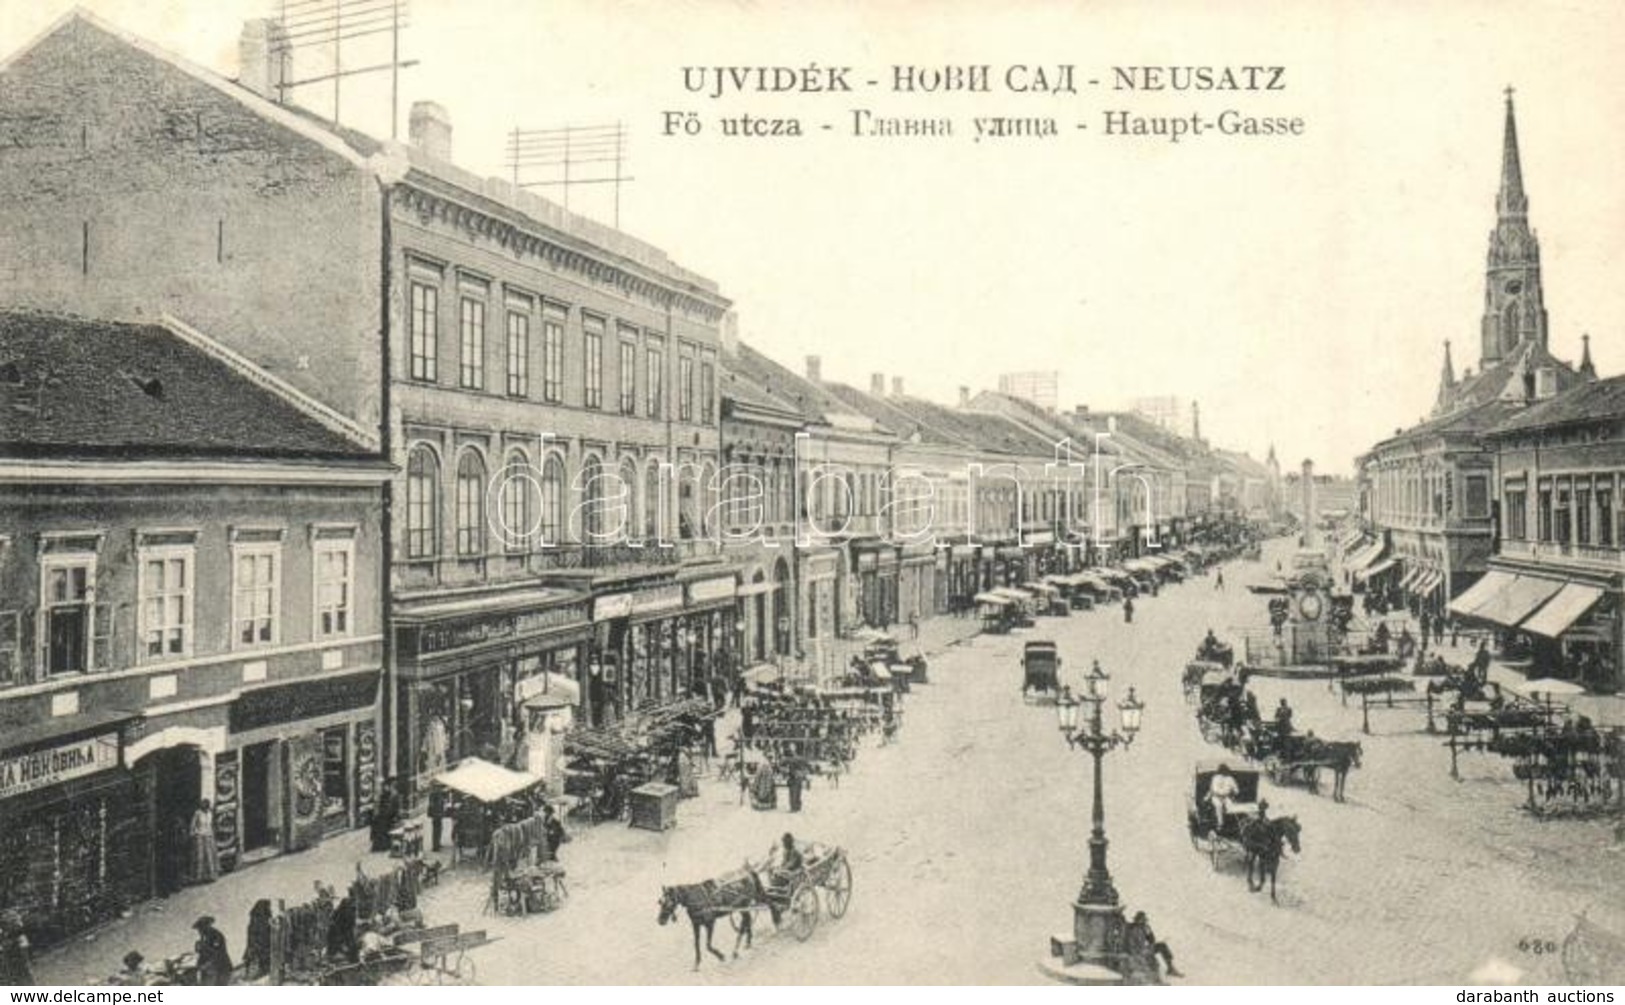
x=1481, y=593
x=1364, y=557
x=1571, y=604
x=1378, y=569
x=1511, y=605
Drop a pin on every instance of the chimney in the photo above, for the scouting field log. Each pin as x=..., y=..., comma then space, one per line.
x=815, y=369
x=964, y=397
x=430, y=130
x=877, y=385
x=262, y=57
x=1196, y=422
x=897, y=387
x=1081, y=411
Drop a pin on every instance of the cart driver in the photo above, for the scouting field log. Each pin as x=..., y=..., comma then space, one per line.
x=1222, y=790
x=784, y=865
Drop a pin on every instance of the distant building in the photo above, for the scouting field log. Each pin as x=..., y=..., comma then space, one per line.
x=1037, y=386
x=1174, y=414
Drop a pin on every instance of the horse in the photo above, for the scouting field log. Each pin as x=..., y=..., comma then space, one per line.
x=734, y=894
x=1261, y=841
x=1339, y=756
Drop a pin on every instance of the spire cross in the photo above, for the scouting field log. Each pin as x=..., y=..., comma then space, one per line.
x=1508, y=92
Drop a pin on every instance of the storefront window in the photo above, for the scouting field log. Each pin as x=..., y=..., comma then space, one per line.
x=335, y=776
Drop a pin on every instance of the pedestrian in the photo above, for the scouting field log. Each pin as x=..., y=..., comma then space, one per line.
x=1143, y=945
x=1218, y=579
x=710, y=735
x=385, y=816
x=795, y=778
x=438, y=811
x=257, y=945
x=213, y=959
x=553, y=831
x=1438, y=629
x=1128, y=610
x=15, y=969
x=205, y=858
x=914, y=626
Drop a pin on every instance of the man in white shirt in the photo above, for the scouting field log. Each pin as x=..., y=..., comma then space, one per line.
x=1222, y=790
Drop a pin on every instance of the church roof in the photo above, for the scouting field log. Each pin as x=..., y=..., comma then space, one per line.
x=1598, y=400
x=1497, y=380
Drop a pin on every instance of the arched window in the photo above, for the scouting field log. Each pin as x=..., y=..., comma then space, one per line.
x=592, y=501
x=516, y=531
x=626, y=492
x=422, y=503
x=552, y=502
x=470, y=499
x=708, y=499
x=651, y=502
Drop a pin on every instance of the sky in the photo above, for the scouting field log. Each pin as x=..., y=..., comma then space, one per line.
x=1299, y=288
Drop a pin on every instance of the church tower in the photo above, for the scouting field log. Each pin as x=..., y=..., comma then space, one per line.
x=1513, y=308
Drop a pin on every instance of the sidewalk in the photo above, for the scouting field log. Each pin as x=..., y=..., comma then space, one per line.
x=163, y=928
x=1601, y=709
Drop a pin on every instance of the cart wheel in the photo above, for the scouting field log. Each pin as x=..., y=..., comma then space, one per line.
x=839, y=888
x=803, y=913
x=465, y=970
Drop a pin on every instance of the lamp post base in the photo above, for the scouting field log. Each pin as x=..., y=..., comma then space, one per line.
x=1097, y=934
x=1086, y=974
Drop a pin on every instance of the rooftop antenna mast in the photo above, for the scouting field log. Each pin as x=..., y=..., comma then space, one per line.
x=310, y=24
x=561, y=153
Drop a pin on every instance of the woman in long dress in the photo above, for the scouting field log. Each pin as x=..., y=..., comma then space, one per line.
x=205, y=855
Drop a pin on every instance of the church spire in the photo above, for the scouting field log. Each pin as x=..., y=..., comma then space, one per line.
x=1514, y=312
x=1447, y=382
x=1511, y=201
x=1588, y=370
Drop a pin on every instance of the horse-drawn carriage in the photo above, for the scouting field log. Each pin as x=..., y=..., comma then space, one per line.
x=791, y=898
x=1199, y=672
x=1243, y=827
x=1040, y=671
x=1209, y=834
x=884, y=649
x=1298, y=758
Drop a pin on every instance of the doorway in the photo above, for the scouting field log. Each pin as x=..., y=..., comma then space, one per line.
x=177, y=788
x=258, y=830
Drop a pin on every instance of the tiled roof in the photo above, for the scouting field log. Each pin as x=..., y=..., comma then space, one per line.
x=77, y=387
x=761, y=380
x=1600, y=399
x=948, y=426
x=1485, y=386
x=1477, y=419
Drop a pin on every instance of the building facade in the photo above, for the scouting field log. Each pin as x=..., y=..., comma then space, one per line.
x=191, y=609
x=545, y=386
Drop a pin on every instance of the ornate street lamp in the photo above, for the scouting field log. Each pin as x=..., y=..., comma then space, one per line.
x=1094, y=954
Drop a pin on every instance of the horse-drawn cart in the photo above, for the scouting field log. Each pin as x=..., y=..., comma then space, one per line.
x=792, y=899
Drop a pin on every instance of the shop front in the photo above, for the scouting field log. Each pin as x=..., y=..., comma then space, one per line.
x=878, y=571
x=301, y=762
x=76, y=827
x=820, y=568
x=657, y=642
x=462, y=666
x=916, y=582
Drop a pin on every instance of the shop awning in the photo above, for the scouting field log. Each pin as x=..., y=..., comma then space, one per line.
x=1378, y=569
x=485, y=781
x=1014, y=594
x=993, y=598
x=1571, y=604
x=1481, y=593
x=1349, y=540
x=1364, y=557
x=1515, y=603
x=1430, y=582
x=1413, y=578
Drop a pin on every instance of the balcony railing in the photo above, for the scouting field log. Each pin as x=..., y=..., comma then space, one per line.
x=1588, y=553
